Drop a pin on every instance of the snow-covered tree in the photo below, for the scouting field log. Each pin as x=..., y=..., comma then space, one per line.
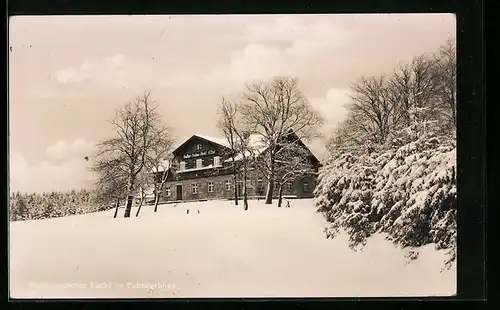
x=407, y=191
x=398, y=175
x=18, y=207
x=33, y=206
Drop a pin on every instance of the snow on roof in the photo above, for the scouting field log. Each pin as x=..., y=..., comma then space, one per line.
x=221, y=141
x=256, y=144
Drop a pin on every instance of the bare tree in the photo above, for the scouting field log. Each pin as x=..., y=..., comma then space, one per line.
x=293, y=163
x=447, y=89
x=136, y=125
x=373, y=107
x=237, y=134
x=225, y=123
x=163, y=179
x=416, y=96
x=159, y=159
x=245, y=160
x=350, y=135
x=143, y=183
x=111, y=183
x=142, y=196
x=415, y=87
x=382, y=105
x=272, y=110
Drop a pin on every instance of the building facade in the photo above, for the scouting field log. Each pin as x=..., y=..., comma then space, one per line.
x=202, y=169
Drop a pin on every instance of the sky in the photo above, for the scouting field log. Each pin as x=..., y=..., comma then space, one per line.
x=68, y=74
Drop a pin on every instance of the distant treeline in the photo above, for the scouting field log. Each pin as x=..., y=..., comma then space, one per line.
x=34, y=206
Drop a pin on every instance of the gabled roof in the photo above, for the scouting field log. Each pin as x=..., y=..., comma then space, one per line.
x=218, y=141
x=255, y=142
x=258, y=146
x=292, y=134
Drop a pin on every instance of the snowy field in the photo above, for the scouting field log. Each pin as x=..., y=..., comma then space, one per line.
x=222, y=251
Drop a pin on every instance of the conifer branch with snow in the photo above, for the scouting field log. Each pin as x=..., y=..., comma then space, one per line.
x=392, y=165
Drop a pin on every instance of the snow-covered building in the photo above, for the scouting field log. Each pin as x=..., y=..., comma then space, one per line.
x=202, y=169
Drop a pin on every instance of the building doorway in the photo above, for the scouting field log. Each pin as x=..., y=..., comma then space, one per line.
x=179, y=192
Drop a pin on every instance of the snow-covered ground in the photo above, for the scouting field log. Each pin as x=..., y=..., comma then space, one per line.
x=222, y=251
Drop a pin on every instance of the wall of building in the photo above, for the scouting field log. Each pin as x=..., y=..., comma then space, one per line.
x=189, y=154
x=220, y=191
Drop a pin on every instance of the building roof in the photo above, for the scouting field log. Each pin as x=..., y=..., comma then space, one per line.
x=256, y=144
x=220, y=141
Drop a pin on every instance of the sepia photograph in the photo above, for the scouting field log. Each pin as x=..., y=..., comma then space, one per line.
x=232, y=156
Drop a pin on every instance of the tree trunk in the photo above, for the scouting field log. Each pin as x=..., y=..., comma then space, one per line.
x=270, y=189
x=270, y=184
x=158, y=193
x=130, y=197
x=245, y=195
x=245, y=200
x=280, y=195
x=157, y=200
x=116, y=208
x=235, y=188
x=157, y=196
x=128, y=208
x=140, y=205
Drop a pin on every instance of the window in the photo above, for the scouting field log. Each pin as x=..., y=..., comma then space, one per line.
x=289, y=186
x=195, y=188
x=183, y=166
x=260, y=185
x=199, y=163
x=216, y=161
x=306, y=187
x=210, y=187
x=167, y=191
x=228, y=185
x=249, y=183
x=199, y=147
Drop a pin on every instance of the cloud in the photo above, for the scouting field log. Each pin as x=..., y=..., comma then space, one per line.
x=71, y=75
x=332, y=107
x=64, y=149
x=287, y=28
x=117, y=61
x=100, y=72
x=48, y=176
x=287, y=45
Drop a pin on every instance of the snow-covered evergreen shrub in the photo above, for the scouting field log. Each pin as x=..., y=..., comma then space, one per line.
x=405, y=188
